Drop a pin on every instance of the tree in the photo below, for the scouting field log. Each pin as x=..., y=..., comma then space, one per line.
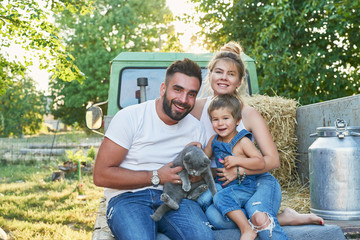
x=21, y=109
x=95, y=39
x=304, y=49
x=26, y=23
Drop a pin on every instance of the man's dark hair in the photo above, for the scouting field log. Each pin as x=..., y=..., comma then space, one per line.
x=186, y=66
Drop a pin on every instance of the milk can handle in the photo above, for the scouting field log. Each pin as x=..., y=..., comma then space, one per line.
x=340, y=124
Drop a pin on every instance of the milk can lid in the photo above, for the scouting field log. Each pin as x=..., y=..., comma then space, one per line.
x=334, y=132
x=340, y=130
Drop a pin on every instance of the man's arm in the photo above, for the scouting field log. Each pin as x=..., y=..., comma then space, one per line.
x=107, y=172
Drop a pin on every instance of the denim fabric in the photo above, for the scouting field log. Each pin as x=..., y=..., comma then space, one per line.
x=267, y=198
x=303, y=232
x=232, y=198
x=205, y=200
x=221, y=150
x=128, y=216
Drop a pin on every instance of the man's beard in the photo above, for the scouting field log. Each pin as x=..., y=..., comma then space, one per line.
x=174, y=115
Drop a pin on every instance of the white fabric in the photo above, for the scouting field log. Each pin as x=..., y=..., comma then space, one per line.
x=151, y=142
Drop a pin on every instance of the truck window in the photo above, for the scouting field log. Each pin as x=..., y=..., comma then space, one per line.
x=129, y=91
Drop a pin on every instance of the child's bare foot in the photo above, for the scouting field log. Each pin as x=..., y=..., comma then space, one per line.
x=289, y=217
x=248, y=235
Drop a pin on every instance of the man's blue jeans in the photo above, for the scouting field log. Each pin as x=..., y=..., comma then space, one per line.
x=128, y=216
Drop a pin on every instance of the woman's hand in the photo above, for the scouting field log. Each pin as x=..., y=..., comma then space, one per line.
x=227, y=175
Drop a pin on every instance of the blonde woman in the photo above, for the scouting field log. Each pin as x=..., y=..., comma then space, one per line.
x=226, y=76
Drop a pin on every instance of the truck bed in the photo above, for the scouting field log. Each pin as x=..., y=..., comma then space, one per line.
x=304, y=232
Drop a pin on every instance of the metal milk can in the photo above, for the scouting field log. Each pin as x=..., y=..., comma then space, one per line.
x=334, y=171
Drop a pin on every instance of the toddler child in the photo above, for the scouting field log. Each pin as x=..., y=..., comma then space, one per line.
x=232, y=148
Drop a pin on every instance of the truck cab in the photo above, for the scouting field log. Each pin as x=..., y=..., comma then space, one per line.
x=136, y=77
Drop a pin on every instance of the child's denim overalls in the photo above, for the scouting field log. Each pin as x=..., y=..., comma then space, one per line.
x=222, y=150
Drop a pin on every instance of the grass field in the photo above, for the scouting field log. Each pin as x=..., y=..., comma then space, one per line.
x=32, y=206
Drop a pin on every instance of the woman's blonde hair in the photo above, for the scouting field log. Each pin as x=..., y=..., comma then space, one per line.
x=232, y=47
x=229, y=52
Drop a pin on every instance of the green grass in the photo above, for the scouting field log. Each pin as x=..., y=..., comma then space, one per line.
x=34, y=207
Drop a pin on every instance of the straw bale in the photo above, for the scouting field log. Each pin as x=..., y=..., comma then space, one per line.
x=296, y=196
x=280, y=115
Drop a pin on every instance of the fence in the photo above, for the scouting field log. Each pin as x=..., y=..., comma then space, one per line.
x=45, y=148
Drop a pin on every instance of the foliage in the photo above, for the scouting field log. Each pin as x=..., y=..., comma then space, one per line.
x=76, y=157
x=7, y=70
x=91, y=154
x=21, y=109
x=26, y=23
x=172, y=44
x=80, y=156
x=304, y=49
x=95, y=39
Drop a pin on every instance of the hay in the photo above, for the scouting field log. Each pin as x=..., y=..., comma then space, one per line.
x=280, y=115
x=296, y=196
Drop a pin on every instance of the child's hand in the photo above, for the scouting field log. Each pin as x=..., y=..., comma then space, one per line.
x=230, y=161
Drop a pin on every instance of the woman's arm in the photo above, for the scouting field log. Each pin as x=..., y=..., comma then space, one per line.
x=208, y=150
x=255, y=123
x=198, y=108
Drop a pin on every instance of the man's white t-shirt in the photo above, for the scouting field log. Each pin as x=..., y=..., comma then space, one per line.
x=150, y=142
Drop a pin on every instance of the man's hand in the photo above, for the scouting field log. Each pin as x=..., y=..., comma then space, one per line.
x=196, y=144
x=167, y=173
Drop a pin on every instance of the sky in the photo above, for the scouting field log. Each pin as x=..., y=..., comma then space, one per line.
x=40, y=76
x=178, y=7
